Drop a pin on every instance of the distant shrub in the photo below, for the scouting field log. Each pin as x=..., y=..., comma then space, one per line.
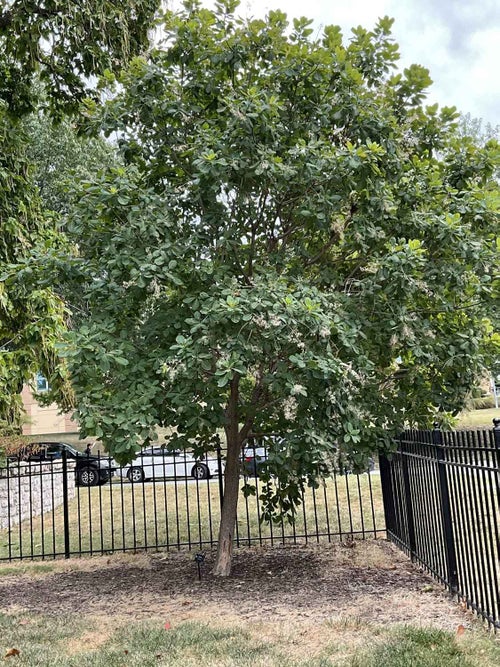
x=483, y=403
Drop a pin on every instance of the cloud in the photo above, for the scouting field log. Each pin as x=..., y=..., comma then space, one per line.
x=460, y=44
x=462, y=20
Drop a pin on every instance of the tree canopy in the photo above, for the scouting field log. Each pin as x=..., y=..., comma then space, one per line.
x=295, y=244
x=50, y=54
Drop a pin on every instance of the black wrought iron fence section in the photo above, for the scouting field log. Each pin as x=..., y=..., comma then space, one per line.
x=165, y=500
x=442, y=506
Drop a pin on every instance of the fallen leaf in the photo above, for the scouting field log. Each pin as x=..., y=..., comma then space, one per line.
x=167, y=625
x=460, y=630
x=12, y=652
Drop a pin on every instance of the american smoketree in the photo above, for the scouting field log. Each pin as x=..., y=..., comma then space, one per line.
x=295, y=244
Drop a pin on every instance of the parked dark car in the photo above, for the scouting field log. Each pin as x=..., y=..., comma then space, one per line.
x=90, y=469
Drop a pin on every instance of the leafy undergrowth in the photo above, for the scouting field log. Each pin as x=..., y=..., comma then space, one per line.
x=73, y=641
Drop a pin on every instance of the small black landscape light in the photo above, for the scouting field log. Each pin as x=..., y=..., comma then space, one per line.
x=199, y=559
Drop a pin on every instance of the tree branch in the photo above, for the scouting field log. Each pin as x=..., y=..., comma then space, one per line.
x=6, y=20
x=254, y=402
x=334, y=236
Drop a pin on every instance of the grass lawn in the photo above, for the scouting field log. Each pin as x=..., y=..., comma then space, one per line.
x=478, y=418
x=332, y=605
x=76, y=641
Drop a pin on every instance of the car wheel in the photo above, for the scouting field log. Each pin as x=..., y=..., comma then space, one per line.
x=88, y=477
x=135, y=475
x=200, y=471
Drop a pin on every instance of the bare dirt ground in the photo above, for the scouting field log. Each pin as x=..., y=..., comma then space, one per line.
x=367, y=582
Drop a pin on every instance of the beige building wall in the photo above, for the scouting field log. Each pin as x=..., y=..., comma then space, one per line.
x=44, y=420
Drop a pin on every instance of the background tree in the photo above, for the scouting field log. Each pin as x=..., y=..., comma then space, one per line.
x=478, y=130
x=62, y=45
x=295, y=245
x=65, y=44
x=60, y=157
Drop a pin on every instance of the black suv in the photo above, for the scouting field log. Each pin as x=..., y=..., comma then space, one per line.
x=90, y=469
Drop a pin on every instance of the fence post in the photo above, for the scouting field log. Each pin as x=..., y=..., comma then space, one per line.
x=387, y=491
x=451, y=555
x=496, y=440
x=408, y=502
x=221, y=477
x=496, y=434
x=65, y=502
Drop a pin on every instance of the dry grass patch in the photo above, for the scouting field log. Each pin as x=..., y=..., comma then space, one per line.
x=94, y=639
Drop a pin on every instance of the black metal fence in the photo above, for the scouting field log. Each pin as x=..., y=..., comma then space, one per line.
x=441, y=495
x=52, y=505
x=437, y=498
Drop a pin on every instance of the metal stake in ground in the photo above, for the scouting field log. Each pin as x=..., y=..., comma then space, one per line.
x=199, y=559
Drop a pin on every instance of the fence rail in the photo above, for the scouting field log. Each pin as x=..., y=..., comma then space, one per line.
x=442, y=506
x=166, y=501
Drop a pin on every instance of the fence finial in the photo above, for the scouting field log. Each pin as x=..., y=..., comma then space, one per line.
x=496, y=436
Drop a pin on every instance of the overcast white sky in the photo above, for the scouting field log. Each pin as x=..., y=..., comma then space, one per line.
x=457, y=40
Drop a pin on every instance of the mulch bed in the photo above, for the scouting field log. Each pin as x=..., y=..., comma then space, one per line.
x=371, y=581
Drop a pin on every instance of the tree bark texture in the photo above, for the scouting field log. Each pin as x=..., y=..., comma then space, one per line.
x=222, y=566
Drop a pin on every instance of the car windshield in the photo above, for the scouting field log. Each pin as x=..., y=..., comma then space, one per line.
x=71, y=450
x=55, y=448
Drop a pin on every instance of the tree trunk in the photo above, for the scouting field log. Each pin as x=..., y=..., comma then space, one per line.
x=222, y=566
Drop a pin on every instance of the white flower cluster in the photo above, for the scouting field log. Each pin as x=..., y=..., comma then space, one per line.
x=352, y=381
x=260, y=321
x=263, y=323
x=290, y=408
x=410, y=138
x=407, y=333
x=170, y=370
x=331, y=396
x=324, y=332
x=295, y=338
x=154, y=288
x=351, y=373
